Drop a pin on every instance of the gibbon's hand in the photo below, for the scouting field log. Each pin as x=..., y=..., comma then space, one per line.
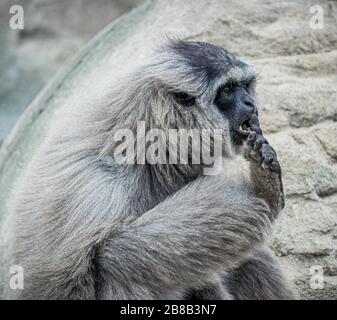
x=259, y=149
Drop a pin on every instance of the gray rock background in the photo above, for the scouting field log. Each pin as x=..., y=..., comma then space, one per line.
x=298, y=71
x=8, y=68
x=53, y=32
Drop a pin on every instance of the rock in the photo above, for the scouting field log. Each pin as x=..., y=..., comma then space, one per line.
x=8, y=74
x=53, y=31
x=297, y=89
x=69, y=24
x=327, y=137
x=305, y=233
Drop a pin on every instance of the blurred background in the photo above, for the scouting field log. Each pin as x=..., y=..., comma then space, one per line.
x=53, y=32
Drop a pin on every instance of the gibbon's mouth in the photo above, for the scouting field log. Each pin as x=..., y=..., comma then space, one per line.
x=244, y=129
x=248, y=125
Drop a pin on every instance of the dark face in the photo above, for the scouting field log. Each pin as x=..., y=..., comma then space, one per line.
x=236, y=102
x=201, y=66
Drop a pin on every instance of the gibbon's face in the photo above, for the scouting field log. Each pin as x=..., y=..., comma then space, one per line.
x=216, y=85
x=235, y=99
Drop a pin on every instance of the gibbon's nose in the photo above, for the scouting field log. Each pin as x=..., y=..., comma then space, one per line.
x=249, y=103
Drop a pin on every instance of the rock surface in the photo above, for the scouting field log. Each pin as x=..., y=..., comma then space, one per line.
x=53, y=31
x=298, y=94
x=8, y=69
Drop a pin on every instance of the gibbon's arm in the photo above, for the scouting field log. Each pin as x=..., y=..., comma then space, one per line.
x=204, y=227
x=258, y=277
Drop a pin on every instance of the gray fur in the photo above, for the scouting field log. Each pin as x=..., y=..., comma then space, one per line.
x=84, y=227
x=259, y=278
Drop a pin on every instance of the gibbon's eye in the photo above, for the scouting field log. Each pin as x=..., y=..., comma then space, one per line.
x=184, y=99
x=228, y=88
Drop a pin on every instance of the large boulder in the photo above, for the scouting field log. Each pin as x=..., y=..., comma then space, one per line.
x=298, y=95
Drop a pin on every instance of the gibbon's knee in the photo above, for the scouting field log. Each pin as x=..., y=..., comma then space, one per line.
x=259, y=278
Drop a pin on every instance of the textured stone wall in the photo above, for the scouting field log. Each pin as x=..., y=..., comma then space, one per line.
x=53, y=32
x=298, y=94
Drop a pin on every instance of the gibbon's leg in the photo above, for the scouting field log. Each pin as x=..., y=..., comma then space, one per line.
x=183, y=241
x=259, y=278
x=212, y=291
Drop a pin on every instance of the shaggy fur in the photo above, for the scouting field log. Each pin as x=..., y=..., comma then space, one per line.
x=85, y=227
